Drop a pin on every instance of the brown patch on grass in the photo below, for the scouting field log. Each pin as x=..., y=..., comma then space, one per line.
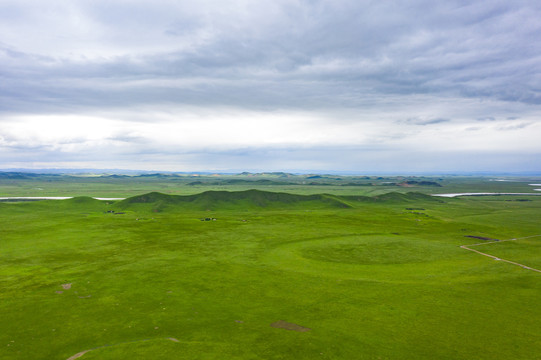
x=66, y=286
x=281, y=324
x=78, y=355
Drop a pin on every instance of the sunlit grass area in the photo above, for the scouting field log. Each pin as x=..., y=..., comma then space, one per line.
x=206, y=276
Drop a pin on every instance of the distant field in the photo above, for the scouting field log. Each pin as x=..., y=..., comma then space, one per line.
x=274, y=276
x=21, y=184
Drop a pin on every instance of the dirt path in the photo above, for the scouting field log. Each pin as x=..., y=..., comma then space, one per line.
x=79, y=354
x=500, y=259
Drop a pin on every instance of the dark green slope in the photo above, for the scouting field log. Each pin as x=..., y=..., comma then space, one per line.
x=239, y=200
x=252, y=199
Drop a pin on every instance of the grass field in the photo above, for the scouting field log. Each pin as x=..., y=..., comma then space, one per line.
x=379, y=278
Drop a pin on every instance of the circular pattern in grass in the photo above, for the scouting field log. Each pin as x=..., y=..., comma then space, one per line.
x=379, y=251
x=389, y=258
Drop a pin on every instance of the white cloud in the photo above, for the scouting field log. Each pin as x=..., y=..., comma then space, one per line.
x=170, y=81
x=178, y=132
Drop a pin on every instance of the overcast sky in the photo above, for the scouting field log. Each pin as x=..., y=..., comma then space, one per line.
x=282, y=85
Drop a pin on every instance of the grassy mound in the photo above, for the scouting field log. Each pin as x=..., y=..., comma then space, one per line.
x=253, y=199
x=83, y=200
x=368, y=250
x=221, y=200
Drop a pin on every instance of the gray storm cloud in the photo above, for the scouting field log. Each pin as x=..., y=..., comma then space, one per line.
x=283, y=74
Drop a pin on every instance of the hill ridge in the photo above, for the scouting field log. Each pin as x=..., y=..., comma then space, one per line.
x=214, y=199
x=253, y=198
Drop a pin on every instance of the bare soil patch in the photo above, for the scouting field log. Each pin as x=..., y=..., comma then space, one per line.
x=78, y=355
x=280, y=324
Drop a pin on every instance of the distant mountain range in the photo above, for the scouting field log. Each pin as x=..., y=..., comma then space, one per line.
x=315, y=173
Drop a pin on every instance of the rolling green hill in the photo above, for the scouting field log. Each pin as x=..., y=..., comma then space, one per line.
x=252, y=199
x=276, y=276
x=240, y=200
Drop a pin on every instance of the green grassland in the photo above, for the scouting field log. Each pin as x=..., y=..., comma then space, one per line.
x=379, y=277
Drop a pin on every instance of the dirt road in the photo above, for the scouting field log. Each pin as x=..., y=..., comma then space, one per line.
x=467, y=247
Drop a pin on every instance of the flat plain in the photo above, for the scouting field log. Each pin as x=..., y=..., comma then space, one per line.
x=363, y=268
